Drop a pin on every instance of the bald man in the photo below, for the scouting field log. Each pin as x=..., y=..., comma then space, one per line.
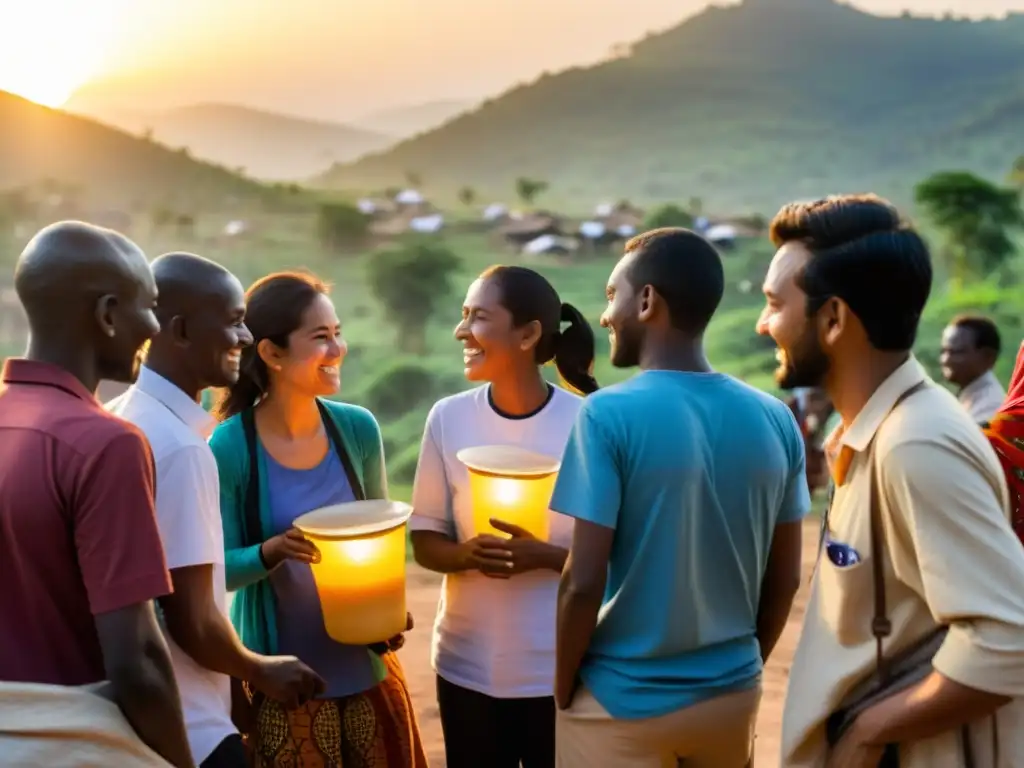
x=201, y=311
x=80, y=555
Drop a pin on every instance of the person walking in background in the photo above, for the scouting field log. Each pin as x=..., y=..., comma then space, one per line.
x=688, y=489
x=80, y=554
x=970, y=348
x=494, y=637
x=917, y=537
x=201, y=309
x=297, y=452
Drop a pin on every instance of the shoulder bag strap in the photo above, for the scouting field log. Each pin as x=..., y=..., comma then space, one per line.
x=253, y=533
x=881, y=626
x=253, y=527
x=339, y=448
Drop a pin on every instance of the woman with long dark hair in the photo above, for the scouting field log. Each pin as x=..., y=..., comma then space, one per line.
x=494, y=638
x=283, y=450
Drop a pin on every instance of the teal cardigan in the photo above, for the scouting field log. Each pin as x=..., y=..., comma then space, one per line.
x=246, y=575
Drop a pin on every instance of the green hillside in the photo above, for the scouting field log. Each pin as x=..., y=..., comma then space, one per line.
x=745, y=106
x=114, y=169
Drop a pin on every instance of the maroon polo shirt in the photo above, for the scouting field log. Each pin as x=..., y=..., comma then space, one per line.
x=78, y=530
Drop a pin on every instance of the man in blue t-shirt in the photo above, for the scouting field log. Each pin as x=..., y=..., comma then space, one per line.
x=688, y=489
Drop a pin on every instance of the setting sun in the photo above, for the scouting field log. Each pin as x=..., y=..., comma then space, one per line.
x=49, y=48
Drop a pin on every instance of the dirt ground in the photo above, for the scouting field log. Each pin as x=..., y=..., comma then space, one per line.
x=422, y=593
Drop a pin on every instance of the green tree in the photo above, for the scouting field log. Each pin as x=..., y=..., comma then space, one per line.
x=668, y=215
x=340, y=225
x=976, y=217
x=410, y=279
x=467, y=196
x=1017, y=173
x=529, y=189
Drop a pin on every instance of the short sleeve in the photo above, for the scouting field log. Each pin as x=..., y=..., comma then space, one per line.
x=431, y=489
x=951, y=542
x=115, y=528
x=589, y=485
x=796, y=497
x=187, y=504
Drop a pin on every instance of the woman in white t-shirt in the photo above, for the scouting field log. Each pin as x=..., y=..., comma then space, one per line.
x=494, y=637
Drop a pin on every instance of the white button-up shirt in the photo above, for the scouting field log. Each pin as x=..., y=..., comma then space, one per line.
x=188, y=511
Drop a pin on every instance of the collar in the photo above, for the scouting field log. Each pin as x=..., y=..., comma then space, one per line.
x=177, y=402
x=986, y=380
x=862, y=431
x=18, y=370
x=843, y=443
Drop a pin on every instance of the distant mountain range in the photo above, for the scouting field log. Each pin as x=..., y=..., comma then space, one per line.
x=266, y=145
x=263, y=144
x=407, y=121
x=745, y=107
x=114, y=169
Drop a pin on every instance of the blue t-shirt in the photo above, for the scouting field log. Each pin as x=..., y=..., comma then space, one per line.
x=693, y=471
x=347, y=669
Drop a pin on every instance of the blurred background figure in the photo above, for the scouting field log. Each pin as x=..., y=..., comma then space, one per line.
x=970, y=348
x=813, y=412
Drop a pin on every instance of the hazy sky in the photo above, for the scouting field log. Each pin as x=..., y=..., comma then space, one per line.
x=331, y=58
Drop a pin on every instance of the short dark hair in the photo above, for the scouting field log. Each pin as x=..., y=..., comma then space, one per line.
x=864, y=254
x=685, y=269
x=983, y=329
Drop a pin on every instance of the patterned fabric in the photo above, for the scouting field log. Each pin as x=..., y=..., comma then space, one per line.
x=1006, y=433
x=375, y=729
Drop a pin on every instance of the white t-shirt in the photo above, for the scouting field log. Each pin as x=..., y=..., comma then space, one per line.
x=188, y=512
x=493, y=636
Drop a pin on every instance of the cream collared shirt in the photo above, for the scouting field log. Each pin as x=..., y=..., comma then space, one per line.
x=950, y=557
x=983, y=397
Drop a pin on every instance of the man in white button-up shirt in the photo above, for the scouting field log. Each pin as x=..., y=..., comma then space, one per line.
x=201, y=309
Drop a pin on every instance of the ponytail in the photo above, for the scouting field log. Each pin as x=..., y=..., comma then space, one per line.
x=252, y=384
x=530, y=298
x=574, y=351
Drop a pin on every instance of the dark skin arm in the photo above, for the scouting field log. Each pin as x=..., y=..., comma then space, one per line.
x=524, y=550
x=935, y=705
x=439, y=553
x=779, y=586
x=580, y=593
x=436, y=552
x=204, y=633
x=200, y=629
x=138, y=665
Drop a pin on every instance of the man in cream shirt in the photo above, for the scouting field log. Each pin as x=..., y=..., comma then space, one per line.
x=844, y=295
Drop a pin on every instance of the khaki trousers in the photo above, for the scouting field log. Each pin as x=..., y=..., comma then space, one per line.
x=717, y=733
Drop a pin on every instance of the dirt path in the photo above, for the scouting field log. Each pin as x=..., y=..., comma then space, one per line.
x=423, y=590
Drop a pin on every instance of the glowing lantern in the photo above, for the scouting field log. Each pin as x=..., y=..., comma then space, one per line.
x=511, y=484
x=360, y=576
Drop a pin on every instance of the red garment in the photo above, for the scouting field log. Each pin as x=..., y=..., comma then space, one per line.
x=78, y=530
x=1006, y=433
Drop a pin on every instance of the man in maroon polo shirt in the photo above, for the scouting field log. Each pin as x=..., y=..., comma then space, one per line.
x=80, y=553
